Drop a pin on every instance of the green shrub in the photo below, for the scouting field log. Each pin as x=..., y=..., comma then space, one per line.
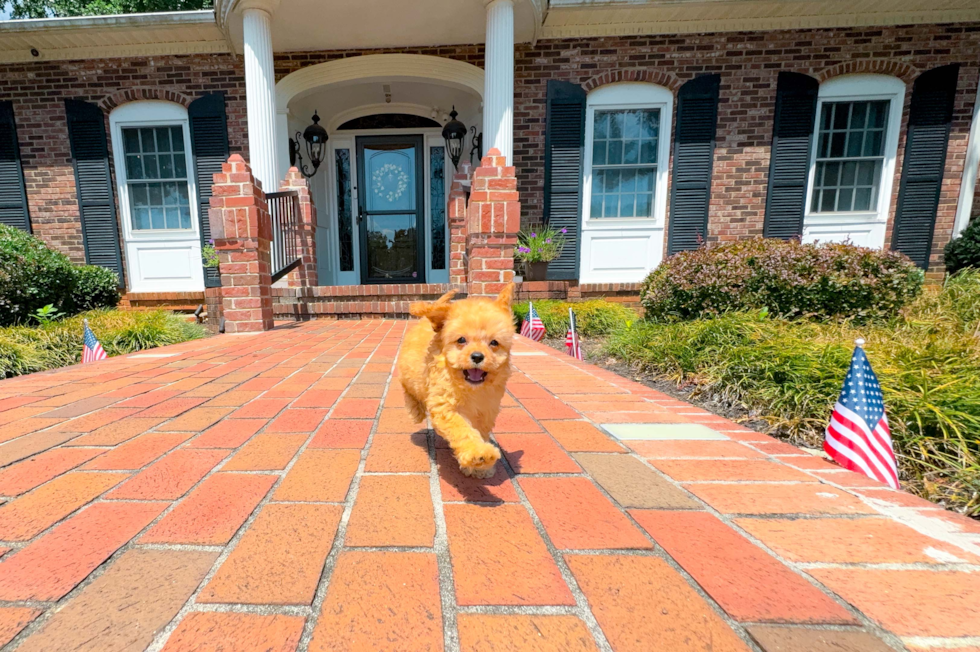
x=95, y=287
x=790, y=374
x=964, y=250
x=788, y=279
x=25, y=349
x=593, y=318
x=31, y=276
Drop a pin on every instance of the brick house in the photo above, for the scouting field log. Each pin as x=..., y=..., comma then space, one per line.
x=643, y=128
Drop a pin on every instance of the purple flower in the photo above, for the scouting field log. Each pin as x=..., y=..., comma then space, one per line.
x=534, y=235
x=548, y=241
x=564, y=230
x=210, y=241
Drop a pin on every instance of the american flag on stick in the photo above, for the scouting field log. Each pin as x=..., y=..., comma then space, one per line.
x=91, y=349
x=858, y=437
x=533, y=327
x=572, y=346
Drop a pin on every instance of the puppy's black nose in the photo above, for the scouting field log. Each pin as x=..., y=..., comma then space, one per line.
x=477, y=357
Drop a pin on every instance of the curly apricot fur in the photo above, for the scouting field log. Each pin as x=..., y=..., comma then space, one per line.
x=432, y=365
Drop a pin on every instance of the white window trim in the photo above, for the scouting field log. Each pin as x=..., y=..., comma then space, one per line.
x=859, y=88
x=151, y=113
x=629, y=95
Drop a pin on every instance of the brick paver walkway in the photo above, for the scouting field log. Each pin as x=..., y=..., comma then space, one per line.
x=268, y=492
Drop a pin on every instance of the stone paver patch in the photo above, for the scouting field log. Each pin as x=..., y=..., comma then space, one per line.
x=660, y=431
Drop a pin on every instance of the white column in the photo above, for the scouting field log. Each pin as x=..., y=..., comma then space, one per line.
x=971, y=167
x=498, y=85
x=260, y=90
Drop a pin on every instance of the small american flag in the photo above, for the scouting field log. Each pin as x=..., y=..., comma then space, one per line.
x=858, y=437
x=572, y=346
x=533, y=327
x=91, y=349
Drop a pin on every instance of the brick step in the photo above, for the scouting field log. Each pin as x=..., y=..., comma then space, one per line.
x=176, y=301
x=374, y=301
x=355, y=301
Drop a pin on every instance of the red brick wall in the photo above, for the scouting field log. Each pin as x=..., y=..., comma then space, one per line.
x=38, y=91
x=748, y=63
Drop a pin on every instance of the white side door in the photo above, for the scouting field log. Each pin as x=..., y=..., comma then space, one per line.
x=627, y=149
x=151, y=147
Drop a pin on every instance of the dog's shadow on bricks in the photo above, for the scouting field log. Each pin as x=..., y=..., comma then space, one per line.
x=457, y=487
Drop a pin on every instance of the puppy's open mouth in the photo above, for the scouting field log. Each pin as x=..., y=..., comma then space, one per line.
x=474, y=376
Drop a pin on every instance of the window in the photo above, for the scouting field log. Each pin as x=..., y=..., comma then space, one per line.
x=627, y=136
x=852, y=165
x=156, y=178
x=624, y=162
x=850, y=156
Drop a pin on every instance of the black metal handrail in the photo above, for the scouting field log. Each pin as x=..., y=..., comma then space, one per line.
x=284, y=213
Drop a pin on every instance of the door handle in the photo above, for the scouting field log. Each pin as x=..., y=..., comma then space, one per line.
x=360, y=215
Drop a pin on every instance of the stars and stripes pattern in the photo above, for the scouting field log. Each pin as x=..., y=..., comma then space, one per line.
x=572, y=345
x=533, y=327
x=91, y=349
x=858, y=437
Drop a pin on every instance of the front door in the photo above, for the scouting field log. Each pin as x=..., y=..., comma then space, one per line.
x=391, y=212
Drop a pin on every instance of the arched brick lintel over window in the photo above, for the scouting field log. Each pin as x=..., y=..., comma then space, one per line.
x=900, y=69
x=633, y=75
x=120, y=97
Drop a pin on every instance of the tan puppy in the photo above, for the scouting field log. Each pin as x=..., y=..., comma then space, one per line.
x=454, y=364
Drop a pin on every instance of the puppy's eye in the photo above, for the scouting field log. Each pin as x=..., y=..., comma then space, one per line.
x=494, y=343
x=461, y=340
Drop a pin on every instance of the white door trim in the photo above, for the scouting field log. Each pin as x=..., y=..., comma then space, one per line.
x=625, y=250
x=157, y=260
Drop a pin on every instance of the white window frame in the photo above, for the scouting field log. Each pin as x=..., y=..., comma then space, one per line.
x=150, y=113
x=625, y=96
x=860, y=88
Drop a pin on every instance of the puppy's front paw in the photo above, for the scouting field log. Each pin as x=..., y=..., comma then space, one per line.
x=477, y=458
x=483, y=474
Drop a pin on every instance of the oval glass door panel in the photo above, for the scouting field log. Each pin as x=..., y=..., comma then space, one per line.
x=391, y=210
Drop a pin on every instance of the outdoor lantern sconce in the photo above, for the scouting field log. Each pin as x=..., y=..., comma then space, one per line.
x=316, y=146
x=454, y=132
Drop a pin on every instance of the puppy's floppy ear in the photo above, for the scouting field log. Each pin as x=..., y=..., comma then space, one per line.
x=506, y=296
x=436, y=312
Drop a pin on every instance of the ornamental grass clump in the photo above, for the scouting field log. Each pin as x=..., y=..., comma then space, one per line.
x=788, y=373
x=787, y=278
x=56, y=344
x=593, y=318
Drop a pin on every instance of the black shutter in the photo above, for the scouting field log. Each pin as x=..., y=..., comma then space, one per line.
x=694, y=152
x=564, y=142
x=90, y=157
x=209, y=144
x=789, y=167
x=13, y=196
x=930, y=117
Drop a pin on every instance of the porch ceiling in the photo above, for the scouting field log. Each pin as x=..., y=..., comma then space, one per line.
x=575, y=18
x=362, y=24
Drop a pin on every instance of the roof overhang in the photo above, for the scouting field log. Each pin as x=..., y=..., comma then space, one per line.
x=96, y=37
x=317, y=25
x=582, y=18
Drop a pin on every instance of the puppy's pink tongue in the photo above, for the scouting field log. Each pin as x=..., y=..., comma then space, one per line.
x=475, y=375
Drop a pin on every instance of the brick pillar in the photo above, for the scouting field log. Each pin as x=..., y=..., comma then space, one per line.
x=305, y=275
x=493, y=221
x=456, y=213
x=242, y=233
